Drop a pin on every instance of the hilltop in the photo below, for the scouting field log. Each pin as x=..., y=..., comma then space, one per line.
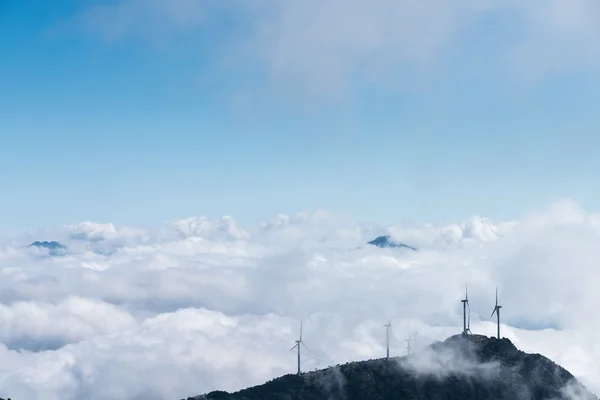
x=470, y=367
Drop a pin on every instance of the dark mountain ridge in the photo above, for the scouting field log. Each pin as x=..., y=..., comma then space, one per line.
x=472, y=367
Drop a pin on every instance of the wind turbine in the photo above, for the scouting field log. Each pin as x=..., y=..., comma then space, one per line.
x=388, y=328
x=297, y=345
x=466, y=324
x=408, y=345
x=497, y=311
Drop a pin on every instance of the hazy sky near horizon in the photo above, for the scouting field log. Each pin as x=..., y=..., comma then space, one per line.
x=140, y=111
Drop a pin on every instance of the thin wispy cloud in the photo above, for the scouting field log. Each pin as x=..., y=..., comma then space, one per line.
x=148, y=19
x=339, y=46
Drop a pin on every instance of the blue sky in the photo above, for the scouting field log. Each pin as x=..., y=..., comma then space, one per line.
x=136, y=112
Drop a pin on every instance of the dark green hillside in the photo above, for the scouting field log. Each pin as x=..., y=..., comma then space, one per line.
x=470, y=367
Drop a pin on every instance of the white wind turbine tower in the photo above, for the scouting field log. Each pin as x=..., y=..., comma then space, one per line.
x=409, y=341
x=497, y=311
x=466, y=323
x=297, y=346
x=388, y=329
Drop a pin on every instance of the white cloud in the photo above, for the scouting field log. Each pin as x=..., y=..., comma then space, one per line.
x=205, y=304
x=40, y=325
x=92, y=231
x=225, y=229
x=329, y=47
x=474, y=231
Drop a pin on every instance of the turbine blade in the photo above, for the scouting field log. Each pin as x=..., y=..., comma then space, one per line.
x=296, y=345
x=493, y=312
x=307, y=348
x=300, y=330
x=496, y=295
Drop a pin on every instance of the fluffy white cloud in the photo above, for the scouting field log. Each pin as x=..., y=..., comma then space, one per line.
x=225, y=229
x=200, y=305
x=40, y=325
x=474, y=231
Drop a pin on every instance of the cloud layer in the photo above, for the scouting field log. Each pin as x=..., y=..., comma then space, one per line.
x=200, y=304
x=330, y=47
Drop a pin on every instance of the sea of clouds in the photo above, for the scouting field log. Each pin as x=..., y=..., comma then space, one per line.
x=201, y=304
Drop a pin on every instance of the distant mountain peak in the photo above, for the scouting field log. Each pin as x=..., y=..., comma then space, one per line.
x=387, y=242
x=54, y=248
x=48, y=245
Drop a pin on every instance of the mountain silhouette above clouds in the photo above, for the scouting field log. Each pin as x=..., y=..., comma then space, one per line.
x=387, y=242
x=54, y=248
x=472, y=367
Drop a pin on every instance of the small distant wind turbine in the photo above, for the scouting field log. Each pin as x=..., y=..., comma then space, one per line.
x=409, y=342
x=497, y=312
x=466, y=324
x=297, y=345
x=388, y=329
